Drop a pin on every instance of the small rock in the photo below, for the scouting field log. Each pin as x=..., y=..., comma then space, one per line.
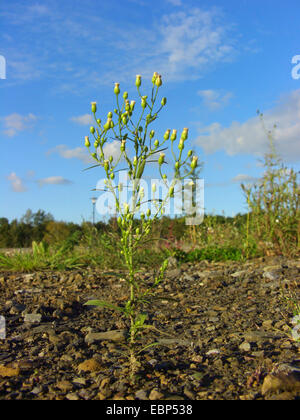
x=64, y=386
x=72, y=397
x=213, y=352
x=79, y=381
x=90, y=365
x=33, y=318
x=281, y=381
x=37, y=390
x=141, y=394
x=6, y=371
x=155, y=394
x=245, y=346
x=114, y=335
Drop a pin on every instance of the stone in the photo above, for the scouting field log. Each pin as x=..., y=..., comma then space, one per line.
x=245, y=346
x=72, y=397
x=7, y=371
x=91, y=365
x=281, y=381
x=33, y=318
x=155, y=394
x=113, y=335
x=141, y=394
x=64, y=386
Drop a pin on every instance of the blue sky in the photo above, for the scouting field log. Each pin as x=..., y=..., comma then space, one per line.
x=220, y=61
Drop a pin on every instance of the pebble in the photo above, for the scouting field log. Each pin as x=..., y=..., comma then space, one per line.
x=245, y=346
x=90, y=365
x=33, y=318
x=114, y=335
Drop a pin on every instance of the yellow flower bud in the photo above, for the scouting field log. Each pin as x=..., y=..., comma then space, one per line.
x=87, y=141
x=194, y=162
x=161, y=159
x=138, y=80
x=94, y=106
x=117, y=88
x=167, y=135
x=158, y=81
x=184, y=134
x=155, y=74
x=173, y=135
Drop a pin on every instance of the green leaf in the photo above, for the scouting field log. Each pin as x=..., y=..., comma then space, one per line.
x=104, y=305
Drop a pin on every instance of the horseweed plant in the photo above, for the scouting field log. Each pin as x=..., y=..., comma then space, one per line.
x=123, y=128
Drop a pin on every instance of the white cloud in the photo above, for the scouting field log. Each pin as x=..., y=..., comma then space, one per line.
x=243, y=178
x=16, y=182
x=14, y=123
x=249, y=137
x=54, y=180
x=181, y=45
x=77, y=153
x=112, y=149
x=215, y=99
x=85, y=119
x=81, y=153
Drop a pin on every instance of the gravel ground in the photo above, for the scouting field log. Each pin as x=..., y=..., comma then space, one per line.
x=223, y=333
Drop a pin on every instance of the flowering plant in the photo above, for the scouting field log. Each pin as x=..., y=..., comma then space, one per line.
x=122, y=127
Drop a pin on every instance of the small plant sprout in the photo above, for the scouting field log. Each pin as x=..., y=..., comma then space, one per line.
x=130, y=125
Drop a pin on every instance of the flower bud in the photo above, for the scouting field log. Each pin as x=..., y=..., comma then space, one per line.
x=163, y=101
x=156, y=143
x=107, y=125
x=137, y=231
x=153, y=187
x=181, y=144
x=173, y=135
x=138, y=80
x=126, y=208
x=190, y=152
x=144, y=102
x=177, y=165
x=142, y=216
x=142, y=192
x=106, y=165
x=194, y=162
x=94, y=107
x=164, y=176
x=96, y=143
x=184, y=134
x=171, y=191
x=87, y=141
x=151, y=135
x=117, y=88
x=148, y=213
x=161, y=159
x=110, y=114
x=94, y=155
x=111, y=159
x=123, y=143
x=158, y=81
x=134, y=161
x=127, y=105
x=155, y=74
x=125, y=95
x=98, y=121
x=92, y=130
x=167, y=135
